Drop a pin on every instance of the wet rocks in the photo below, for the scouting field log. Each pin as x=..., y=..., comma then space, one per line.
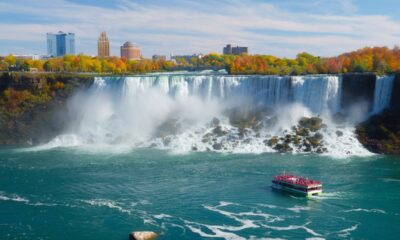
x=215, y=122
x=283, y=148
x=381, y=133
x=168, y=128
x=339, y=133
x=217, y=146
x=305, y=137
x=313, y=124
x=143, y=235
x=166, y=141
x=272, y=142
x=219, y=132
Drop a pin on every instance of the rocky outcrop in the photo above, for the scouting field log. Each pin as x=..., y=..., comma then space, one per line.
x=381, y=133
x=305, y=137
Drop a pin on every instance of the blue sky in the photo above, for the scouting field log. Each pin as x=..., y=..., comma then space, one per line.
x=278, y=27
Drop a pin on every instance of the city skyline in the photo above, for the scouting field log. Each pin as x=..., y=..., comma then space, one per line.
x=282, y=28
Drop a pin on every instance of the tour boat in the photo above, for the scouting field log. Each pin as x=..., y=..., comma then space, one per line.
x=297, y=185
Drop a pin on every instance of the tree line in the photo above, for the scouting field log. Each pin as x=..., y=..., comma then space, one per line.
x=378, y=59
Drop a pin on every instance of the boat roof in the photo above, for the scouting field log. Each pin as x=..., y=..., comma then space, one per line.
x=292, y=179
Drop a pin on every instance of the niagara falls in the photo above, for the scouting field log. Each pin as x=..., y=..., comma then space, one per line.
x=199, y=120
x=185, y=112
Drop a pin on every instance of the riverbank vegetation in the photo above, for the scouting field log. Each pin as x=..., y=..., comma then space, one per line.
x=30, y=103
x=380, y=60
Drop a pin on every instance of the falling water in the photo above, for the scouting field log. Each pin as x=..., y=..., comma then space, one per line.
x=383, y=93
x=129, y=111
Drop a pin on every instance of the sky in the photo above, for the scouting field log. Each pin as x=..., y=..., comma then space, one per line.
x=277, y=27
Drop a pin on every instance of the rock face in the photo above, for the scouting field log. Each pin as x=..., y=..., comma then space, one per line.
x=358, y=88
x=143, y=236
x=395, y=101
x=381, y=133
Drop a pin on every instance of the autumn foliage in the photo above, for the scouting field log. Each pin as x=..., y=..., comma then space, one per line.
x=379, y=59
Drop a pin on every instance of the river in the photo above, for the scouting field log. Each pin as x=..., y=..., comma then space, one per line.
x=71, y=193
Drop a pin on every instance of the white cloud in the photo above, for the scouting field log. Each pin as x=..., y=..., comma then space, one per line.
x=192, y=26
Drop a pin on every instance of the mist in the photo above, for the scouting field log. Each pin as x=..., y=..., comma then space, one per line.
x=185, y=113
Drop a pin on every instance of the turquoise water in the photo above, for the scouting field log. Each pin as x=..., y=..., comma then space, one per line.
x=70, y=194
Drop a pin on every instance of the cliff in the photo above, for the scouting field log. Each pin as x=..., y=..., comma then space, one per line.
x=358, y=88
x=32, y=105
x=395, y=102
x=381, y=133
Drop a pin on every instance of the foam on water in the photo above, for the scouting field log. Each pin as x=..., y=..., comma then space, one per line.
x=107, y=203
x=18, y=199
x=347, y=231
x=13, y=197
x=162, y=216
x=293, y=227
x=365, y=210
x=298, y=209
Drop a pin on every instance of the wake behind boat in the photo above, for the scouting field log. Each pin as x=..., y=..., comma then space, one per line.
x=297, y=185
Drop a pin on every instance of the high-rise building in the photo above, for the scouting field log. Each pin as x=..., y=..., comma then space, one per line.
x=103, y=46
x=229, y=50
x=60, y=44
x=130, y=51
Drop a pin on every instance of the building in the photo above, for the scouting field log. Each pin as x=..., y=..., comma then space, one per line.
x=159, y=58
x=229, y=50
x=27, y=57
x=130, y=51
x=182, y=59
x=60, y=44
x=103, y=46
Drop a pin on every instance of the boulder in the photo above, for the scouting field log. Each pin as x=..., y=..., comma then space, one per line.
x=217, y=146
x=272, y=142
x=314, y=124
x=339, y=133
x=215, y=122
x=143, y=235
x=219, y=132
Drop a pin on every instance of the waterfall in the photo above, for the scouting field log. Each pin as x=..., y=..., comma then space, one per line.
x=317, y=93
x=383, y=93
x=178, y=111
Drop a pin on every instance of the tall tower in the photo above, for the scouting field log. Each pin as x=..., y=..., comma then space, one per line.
x=103, y=45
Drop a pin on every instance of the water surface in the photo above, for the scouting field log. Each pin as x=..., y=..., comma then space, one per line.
x=72, y=194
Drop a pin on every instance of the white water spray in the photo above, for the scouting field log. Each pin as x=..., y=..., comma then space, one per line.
x=140, y=111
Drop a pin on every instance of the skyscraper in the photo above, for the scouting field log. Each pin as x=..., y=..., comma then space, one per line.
x=130, y=51
x=103, y=46
x=60, y=44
